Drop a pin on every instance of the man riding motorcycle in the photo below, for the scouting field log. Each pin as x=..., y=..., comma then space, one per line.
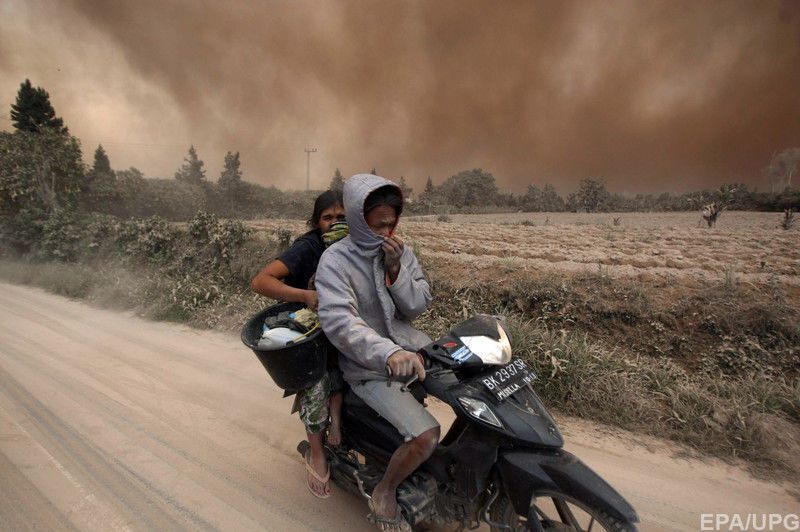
x=370, y=288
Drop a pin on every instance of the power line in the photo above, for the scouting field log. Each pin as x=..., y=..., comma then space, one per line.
x=121, y=143
x=151, y=144
x=138, y=143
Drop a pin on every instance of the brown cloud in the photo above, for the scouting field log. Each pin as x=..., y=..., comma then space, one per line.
x=652, y=95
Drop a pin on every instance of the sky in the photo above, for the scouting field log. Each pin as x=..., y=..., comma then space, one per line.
x=652, y=96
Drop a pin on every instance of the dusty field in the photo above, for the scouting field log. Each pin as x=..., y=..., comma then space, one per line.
x=746, y=246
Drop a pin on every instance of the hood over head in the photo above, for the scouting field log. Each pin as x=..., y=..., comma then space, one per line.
x=356, y=190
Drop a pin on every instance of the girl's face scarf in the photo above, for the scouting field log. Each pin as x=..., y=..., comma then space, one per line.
x=338, y=231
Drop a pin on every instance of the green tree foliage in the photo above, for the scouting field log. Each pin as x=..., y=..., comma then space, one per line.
x=102, y=193
x=541, y=200
x=230, y=190
x=41, y=171
x=734, y=196
x=427, y=198
x=405, y=189
x=551, y=201
x=230, y=180
x=592, y=195
x=429, y=190
x=231, y=176
x=571, y=204
x=470, y=187
x=192, y=169
x=508, y=199
x=532, y=200
x=102, y=165
x=170, y=199
x=33, y=111
x=130, y=185
x=337, y=181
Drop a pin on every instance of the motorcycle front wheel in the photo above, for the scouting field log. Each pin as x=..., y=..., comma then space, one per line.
x=556, y=512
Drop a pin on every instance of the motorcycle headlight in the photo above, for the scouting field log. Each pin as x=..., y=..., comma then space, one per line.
x=480, y=410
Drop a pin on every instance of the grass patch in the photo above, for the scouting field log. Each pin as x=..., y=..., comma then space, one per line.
x=70, y=280
x=715, y=367
x=586, y=368
x=751, y=416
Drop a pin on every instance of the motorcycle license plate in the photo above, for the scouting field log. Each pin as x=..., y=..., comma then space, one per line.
x=508, y=379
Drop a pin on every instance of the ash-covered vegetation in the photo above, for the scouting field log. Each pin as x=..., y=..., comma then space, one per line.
x=715, y=367
x=42, y=172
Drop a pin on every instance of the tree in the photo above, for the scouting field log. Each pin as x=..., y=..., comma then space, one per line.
x=782, y=168
x=192, y=170
x=405, y=189
x=429, y=190
x=337, y=181
x=230, y=192
x=428, y=196
x=173, y=200
x=231, y=176
x=470, y=187
x=735, y=196
x=33, y=111
x=551, y=201
x=42, y=171
x=101, y=187
x=102, y=165
x=130, y=185
x=571, y=204
x=592, y=195
x=532, y=200
x=507, y=199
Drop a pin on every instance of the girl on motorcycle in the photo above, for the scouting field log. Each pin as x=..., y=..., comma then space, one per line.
x=289, y=278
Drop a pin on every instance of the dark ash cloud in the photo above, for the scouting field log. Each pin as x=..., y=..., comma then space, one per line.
x=652, y=95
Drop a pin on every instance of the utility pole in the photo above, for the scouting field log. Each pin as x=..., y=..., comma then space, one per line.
x=309, y=151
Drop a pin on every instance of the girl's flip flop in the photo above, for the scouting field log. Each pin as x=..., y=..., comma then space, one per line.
x=324, y=479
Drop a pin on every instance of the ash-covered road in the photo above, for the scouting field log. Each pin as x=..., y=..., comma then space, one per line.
x=110, y=422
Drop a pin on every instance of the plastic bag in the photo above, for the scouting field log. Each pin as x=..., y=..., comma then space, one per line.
x=277, y=338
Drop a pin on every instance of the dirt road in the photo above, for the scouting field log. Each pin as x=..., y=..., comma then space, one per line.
x=110, y=422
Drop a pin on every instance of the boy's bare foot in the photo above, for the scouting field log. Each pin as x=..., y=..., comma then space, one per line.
x=334, y=433
x=385, y=511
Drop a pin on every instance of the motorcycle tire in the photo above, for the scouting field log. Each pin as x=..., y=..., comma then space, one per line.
x=502, y=513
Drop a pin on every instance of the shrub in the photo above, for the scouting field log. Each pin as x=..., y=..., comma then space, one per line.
x=99, y=232
x=149, y=240
x=20, y=232
x=168, y=198
x=62, y=233
x=216, y=243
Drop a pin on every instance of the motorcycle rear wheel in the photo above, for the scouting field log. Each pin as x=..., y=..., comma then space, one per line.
x=557, y=512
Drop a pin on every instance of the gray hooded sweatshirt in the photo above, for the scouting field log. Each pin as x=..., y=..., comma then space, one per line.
x=362, y=317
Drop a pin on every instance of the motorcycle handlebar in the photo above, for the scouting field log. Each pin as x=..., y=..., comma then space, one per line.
x=426, y=363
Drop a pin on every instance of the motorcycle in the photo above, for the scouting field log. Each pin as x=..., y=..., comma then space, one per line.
x=501, y=462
